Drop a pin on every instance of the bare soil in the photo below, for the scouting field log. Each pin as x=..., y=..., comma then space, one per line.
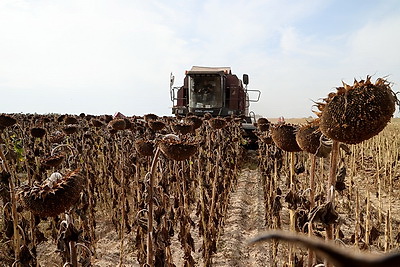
x=245, y=220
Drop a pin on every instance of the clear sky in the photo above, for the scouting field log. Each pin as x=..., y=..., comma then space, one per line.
x=103, y=56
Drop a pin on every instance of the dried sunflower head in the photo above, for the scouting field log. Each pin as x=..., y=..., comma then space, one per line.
x=144, y=147
x=55, y=195
x=196, y=121
x=7, y=120
x=70, y=129
x=177, y=149
x=54, y=160
x=182, y=127
x=217, y=123
x=38, y=132
x=150, y=117
x=117, y=124
x=71, y=120
x=357, y=112
x=156, y=125
x=310, y=139
x=97, y=123
x=57, y=137
x=284, y=136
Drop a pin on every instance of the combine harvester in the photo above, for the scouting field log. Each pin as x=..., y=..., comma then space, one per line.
x=215, y=90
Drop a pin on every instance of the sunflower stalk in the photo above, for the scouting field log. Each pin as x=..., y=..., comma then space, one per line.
x=292, y=212
x=122, y=203
x=151, y=174
x=72, y=244
x=330, y=190
x=357, y=221
x=312, y=204
x=13, y=206
x=367, y=219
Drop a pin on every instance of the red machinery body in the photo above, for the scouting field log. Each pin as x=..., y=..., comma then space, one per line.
x=213, y=90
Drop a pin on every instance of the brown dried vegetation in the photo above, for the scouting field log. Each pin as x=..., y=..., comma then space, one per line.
x=170, y=208
x=193, y=178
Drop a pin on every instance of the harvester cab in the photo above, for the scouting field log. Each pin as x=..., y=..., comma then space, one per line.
x=214, y=90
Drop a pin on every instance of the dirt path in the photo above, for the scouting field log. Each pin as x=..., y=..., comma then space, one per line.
x=245, y=219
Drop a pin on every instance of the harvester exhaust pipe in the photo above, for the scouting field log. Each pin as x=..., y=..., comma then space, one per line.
x=246, y=79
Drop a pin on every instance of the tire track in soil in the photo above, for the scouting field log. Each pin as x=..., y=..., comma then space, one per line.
x=245, y=219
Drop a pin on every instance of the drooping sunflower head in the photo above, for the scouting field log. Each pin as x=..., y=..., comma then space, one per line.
x=357, y=112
